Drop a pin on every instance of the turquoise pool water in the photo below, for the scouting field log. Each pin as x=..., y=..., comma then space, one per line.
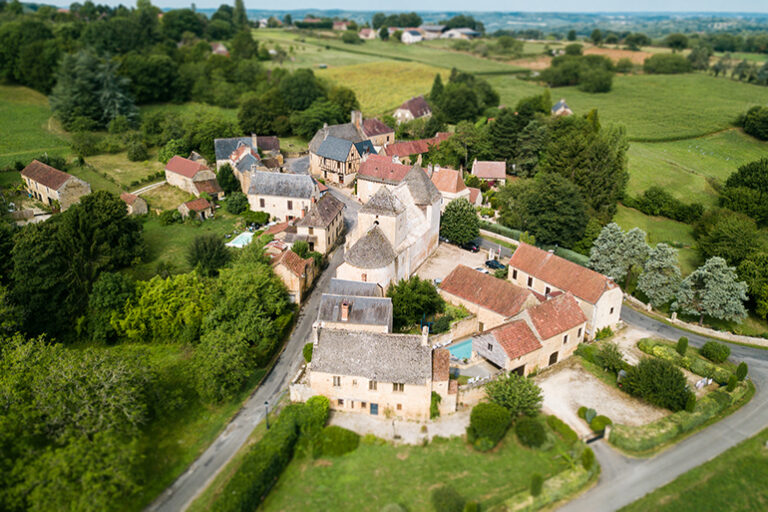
x=461, y=350
x=241, y=240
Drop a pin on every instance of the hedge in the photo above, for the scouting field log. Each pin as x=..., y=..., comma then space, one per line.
x=647, y=437
x=693, y=364
x=716, y=352
x=487, y=421
x=599, y=423
x=514, y=234
x=562, y=428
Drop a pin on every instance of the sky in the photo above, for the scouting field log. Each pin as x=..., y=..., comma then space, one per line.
x=759, y=6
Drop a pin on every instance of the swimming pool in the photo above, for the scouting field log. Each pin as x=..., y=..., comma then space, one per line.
x=241, y=240
x=461, y=350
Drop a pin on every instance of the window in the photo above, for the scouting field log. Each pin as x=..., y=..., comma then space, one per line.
x=399, y=407
x=398, y=387
x=311, y=231
x=290, y=205
x=546, y=291
x=490, y=346
x=362, y=405
x=354, y=382
x=261, y=203
x=530, y=282
x=341, y=402
x=514, y=274
x=579, y=334
x=372, y=385
x=611, y=310
x=565, y=339
x=336, y=381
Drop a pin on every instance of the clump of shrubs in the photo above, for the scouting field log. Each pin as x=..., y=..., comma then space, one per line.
x=605, y=332
x=666, y=64
x=530, y=432
x=658, y=382
x=715, y=352
x=237, y=203
x=488, y=423
x=682, y=345
x=658, y=202
x=599, y=423
x=588, y=458
x=537, y=483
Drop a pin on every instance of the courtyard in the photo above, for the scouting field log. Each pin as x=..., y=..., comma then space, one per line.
x=445, y=259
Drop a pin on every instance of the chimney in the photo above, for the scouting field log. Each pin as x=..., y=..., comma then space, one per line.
x=345, y=311
x=255, y=142
x=425, y=336
x=357, y=118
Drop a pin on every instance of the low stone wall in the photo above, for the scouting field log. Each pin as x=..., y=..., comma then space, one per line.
x=705, y=331
x=460, y=329
x=491, y=234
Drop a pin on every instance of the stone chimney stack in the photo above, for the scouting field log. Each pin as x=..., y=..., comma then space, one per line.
x=255, y=142
x=425, y=336
x=357, y=118
x=345, y=311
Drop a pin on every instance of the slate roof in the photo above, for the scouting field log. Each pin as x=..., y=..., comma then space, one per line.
x=362, y=310
x=365, y=148
x=383, y=202
x=374, y=356
x=335, y=148
x=354, y=288
x=372, y=127
x=516, y=338
x=322, y=213
x=198, y=205
x=448, y=180
x=225, y=147
x=184, y=166
x=414, y=32
x=372, y=251
x=381, y=169
x=346, y=131
x=45, y=175
x=266, y=183
x=486, y=291
x=414, y=147
x=268, y=142
x=418, y=106
x=556, y=316
x=247, y=163
x=423, y=191
x=582, y=282
x=433, y=28
x=560, y=104
x=490, y=170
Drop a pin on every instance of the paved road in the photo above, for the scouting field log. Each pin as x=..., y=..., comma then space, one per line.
x=625, y=479
x=200, y=474
x=506, y=252
x=148, y=188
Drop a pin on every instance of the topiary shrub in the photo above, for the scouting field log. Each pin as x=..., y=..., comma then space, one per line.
x=659, y=382
x=731, y=384
x=537, y=483
x=590, y=415
x=562, y=428
x=530, y=432
x=337, y=441
x=307, y=352
x=588, y=458
x=488, y=421
x=690, y=404
x=599, y=423
x=682, y=345
x=741, y=371
x=715, y=352
x=446, y=499
x=582, y=412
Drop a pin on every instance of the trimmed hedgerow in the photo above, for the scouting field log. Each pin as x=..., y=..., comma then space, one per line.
x=562, y=428
x=715, y=352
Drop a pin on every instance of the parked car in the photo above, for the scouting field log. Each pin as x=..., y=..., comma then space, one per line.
x=470, y=246
x=482, y=270
x=495, y=265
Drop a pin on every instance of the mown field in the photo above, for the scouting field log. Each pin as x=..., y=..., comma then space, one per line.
x=732, y=481
x=382, y=86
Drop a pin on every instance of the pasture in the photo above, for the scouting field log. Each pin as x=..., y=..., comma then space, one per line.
x=123, y=170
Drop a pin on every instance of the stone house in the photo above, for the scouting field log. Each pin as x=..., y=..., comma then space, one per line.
x=561, y=108
x=491, y=172
x=432, y=31
x=536, y=338
x=199, y=208
x=475, y=196
x=411, y=36
x=358, y=130
x=493, y=301
x=368, y=33
x=414, y=108
x=378, y=133
x=450, y=184
x=340, y=25
x=396, y=232
x=323, y=224
x=390, y=375
x=283, y=196
x=192, y=177
x=339, y=159
x=545, y=273
x=296, y=273
x=410, y=151
x=53, y=187
x=135, y=204
x=378, y=171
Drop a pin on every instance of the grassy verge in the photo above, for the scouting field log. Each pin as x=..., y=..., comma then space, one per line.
x=730, y=481
x=165, y=197
x=500, y=242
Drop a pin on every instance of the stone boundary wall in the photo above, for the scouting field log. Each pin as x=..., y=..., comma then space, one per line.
x=459, y=329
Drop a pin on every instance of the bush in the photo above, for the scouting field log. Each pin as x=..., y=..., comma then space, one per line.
x=488, y=421
x=582, y=412
x=659, y=202
x=715, y=352
x=589, y=415
x=351, y=37
x=434, y=405
x=741, y=371
x=587, y=458
x=562, y=428
x=682, y=345
x=168, y=217
x=307, y=352
x=472, y=506
x=537, y=482
x=731, y=383
x=599, y=423
x=690, y=404
x=446, y=499
x=237, y=203
x=516, y=393
x=137, y=151
x=755, y=122
x=666, y=63
x=530, y=432
x=605, y=332
x=596, y=80
x=611, y=358
x=301, y=248
x=659, y=382
x=85, y=143
x=336, y=441
x=257, y=218
x=624, y=65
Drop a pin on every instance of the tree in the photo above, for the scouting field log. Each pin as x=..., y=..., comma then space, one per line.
x=700, y=56
x=111, y=292
x=489, y=421
x=239, y=16
x=503, y=132
x=661, y=276
x=571, y=35
x=344, y=98
x=152, y=77
x=243, y=45
x=596, y=36
x=741, y=371
x=413, y=300
x=384, y=34
x=459, y=223
x=754, y=271
x=300, y=89
x=659, y=382
x=591, y=232
x=516, y=393
x=677, y=42
x=208, y=254
x=611, y=358
x=712, y=290
x=666, y=63
x=436, y=93
x=222, y=364
x=228, y=182
x=682, y=345
x=597, y=80
x=301, y=248
x=729, y=235
x=307, y=122
x=459, y=103
x=351, y=37
x=616, y=254
x=746, y=190
x=756, y=122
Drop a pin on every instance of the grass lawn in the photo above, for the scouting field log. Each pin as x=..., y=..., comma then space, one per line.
x=191, y=108
x=731, y=481
x=96, y=178
x=123, y=170
x=377, y=474
x=382, y=86
x=293, y=144
x=305, y=55
x=26, y=126
x=10, y=178
x=166, y=197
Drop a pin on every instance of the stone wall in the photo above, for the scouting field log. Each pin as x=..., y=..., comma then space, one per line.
x=460, y=329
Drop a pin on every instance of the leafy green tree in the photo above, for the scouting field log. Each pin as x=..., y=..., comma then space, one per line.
x=436, y=93
x=616, y=254
x=755, y=122
x=729, y=235
x=467, y=143
x=712, y=290
x=677, y=42
x=571, y=35
x=208, y=254
x=243, y=46
x=699, y=57
x=413, y=300
x=591, y=232
x=503, y=132
x=459, y=103
x=111, y=292
x=237, y=203
x=596, y=36
x=300, y=89
x=152, y=77
x=519, y=395
x=661, y=276
x=172, y=148
x=659, y=382
x=610, y=357
x=307, y=122
x=666, y=64
x=384, y=33
x=222, y=365
x=178, y=21
x=344, y=98
x=239, y=16
x=530, y=144
x=754, y=271
x=229, y=183
x=459, y=222
x=746, y=191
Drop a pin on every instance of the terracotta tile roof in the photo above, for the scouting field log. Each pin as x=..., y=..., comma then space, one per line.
x=372, y=127
x=448, y=180
x=198, y=205
x=441, y=365
x=489, y=292
x=209, y=187
x=556, y=316
x=128, y=198
x=418, y=106
x=321, y=187
x=474, y=193
x=184, y=166
x=277, y=228
x=241, y=151
x=294, y=263
x=381, y=168
x=414, y=147
x=516, y=338
x=45, y=175
x=582, y=282
x=490, y=170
